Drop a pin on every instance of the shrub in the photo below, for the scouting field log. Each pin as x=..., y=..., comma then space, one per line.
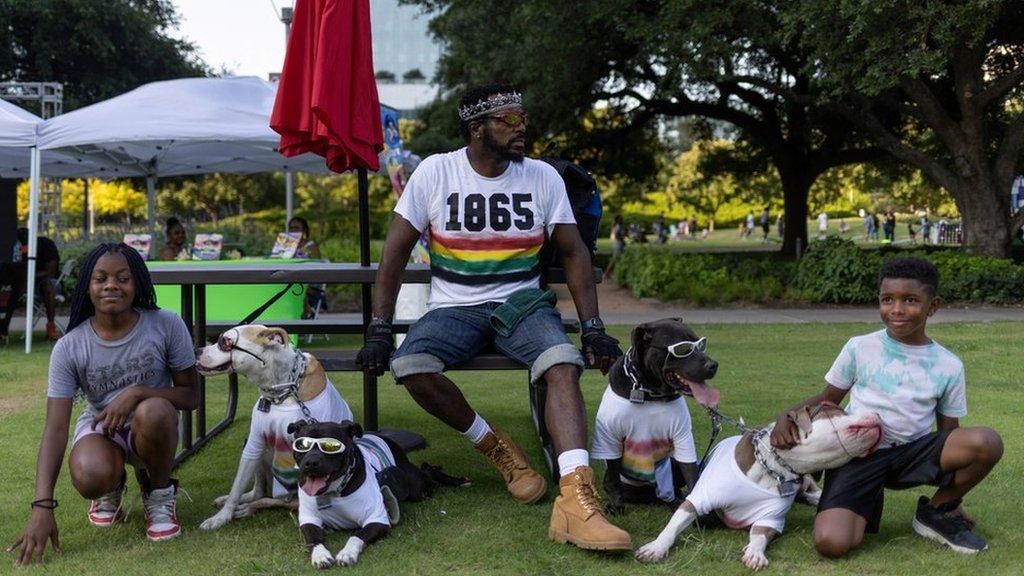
x=836, y=270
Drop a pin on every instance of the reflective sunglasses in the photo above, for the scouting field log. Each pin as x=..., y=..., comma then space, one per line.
x=326, y=445
x=685, y=348
x=511, y=119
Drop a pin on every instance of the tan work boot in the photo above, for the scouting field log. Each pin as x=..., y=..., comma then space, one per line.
x=522, y=482
x=577, y=516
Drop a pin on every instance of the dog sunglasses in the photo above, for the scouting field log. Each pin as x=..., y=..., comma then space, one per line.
x=685, y=348
x=327, y=445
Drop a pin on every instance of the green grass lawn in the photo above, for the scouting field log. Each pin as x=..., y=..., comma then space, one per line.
x=727, y=239
x=479, y=529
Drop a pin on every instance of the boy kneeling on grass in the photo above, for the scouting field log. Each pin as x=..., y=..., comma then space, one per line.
x=909, y=380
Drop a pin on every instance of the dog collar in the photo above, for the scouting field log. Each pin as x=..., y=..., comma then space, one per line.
x=338, y=485
x=638, y=394
x=774, y=467
x=278, y=393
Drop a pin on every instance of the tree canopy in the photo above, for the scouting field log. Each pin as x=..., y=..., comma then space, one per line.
x=96, y=49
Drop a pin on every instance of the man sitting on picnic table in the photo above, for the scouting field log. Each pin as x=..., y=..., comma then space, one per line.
x=489, y=209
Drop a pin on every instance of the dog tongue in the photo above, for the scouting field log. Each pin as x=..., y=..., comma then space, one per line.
x=312, y=485
x=704, y=394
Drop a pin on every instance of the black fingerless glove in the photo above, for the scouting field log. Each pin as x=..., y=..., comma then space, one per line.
x=378, y=346
x=597, y=344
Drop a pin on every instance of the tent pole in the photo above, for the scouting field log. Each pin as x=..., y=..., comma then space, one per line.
x=85, y=209
x=33, y=241
x=289, y=196
x=151, y=204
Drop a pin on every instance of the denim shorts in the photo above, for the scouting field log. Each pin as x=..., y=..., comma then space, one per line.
x=446, y=337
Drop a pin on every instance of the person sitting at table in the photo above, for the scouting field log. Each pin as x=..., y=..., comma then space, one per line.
x=177, y=241
x=308, y=249
x=47, y=271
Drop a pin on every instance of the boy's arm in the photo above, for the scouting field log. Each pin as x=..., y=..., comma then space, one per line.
x=947, y=422
x=785, y=434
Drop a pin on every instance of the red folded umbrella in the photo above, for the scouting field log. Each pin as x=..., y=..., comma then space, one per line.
x=327, y=97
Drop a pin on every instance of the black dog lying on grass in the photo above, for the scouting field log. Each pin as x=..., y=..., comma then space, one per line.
x=352, y=481
x=643, y=429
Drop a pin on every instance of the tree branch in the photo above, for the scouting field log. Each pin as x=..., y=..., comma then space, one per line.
x=1008, y=156
x=820, y=161
x=999, y=87
x=769, y=134
x=933, y=114
x=866, y=120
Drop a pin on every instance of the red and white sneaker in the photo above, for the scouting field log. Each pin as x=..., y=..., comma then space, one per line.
x=106, y=510
x=161, y=513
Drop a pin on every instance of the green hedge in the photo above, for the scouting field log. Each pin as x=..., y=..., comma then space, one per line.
x=832, y=271
x=702, y=278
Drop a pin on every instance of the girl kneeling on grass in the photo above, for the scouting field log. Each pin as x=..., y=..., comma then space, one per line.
x=135, y=366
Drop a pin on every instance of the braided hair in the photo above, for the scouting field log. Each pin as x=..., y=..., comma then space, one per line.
x=145, y=295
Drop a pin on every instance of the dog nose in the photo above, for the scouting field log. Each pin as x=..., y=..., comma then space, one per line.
x=711, y=366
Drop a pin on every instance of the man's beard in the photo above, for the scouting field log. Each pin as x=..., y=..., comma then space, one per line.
x=502, y=152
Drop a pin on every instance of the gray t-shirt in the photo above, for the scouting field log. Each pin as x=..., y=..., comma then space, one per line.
x=81, y=360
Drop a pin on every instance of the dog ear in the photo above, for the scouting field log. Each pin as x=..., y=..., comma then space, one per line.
x=296, y=426
x=357, y=430
x=275, y=335
x=802, y=417
x=640, y=337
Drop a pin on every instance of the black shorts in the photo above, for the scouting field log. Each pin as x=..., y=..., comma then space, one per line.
x=858, y=485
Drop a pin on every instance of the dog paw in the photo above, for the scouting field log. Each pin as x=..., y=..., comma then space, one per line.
x=652, y=552
x=219, y=501
x=321, y=557
x=216, y=521
x=755, y=560
x=242, y=511
x=349, y=555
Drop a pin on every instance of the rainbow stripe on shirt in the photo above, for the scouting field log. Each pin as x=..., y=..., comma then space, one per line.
x=485, y=258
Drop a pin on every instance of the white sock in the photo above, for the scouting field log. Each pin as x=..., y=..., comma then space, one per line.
x=477, y=430
x=570, y=460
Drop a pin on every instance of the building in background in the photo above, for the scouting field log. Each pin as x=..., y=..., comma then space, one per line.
x=401, y=41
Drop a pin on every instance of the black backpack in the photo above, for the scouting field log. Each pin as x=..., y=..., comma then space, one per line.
x=585, y=199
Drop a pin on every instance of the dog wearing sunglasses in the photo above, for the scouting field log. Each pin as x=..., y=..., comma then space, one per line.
x=751, y=485
x=292, y=385
x=354, y=481
x=643, y=430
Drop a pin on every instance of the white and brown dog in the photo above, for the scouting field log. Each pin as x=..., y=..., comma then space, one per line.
x=292, y=386
x=750, y=484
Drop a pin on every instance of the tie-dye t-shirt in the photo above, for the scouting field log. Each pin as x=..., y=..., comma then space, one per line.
x=643, y=435
x=269, y=431
x=905, y=385
x=485, y=233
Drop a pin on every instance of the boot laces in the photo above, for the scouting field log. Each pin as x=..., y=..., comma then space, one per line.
x=587, y=497
x=503, y=458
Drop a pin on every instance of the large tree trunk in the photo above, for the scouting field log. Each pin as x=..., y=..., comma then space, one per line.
x=796, y=187
x=985, y=212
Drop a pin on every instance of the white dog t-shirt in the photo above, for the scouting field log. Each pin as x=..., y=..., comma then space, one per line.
x=739, y=501
x=269, y=430
x=644, y=436
x=362, y=507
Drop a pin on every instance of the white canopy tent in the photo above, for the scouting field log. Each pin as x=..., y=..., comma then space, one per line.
x=171, y=128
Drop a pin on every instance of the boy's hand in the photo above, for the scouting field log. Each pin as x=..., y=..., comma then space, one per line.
x=785, y=434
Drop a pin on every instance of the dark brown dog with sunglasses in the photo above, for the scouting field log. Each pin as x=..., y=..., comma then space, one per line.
x=643, y=427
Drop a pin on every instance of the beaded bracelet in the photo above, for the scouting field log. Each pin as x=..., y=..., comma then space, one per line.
x=48, y=503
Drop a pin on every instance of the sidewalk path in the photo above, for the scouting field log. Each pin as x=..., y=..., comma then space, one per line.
x=618, y=306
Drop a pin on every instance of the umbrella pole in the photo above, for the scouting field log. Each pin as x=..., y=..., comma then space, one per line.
x=33, y=241
x=369, y=380
x=289, y=197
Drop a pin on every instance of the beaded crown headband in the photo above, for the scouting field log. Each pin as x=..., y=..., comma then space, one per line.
x=490, y=104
